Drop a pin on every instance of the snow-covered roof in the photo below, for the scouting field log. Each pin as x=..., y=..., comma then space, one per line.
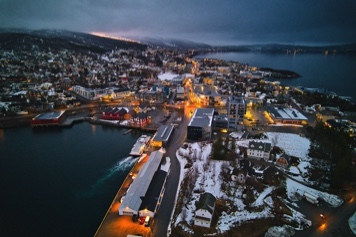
x=202, y=117
x=286, y=113
x=20, y=93
x=168, y=76
x=141, y=183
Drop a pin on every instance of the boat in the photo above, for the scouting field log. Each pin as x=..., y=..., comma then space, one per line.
x=140, y=145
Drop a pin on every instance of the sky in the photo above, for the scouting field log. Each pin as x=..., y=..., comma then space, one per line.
x=216, y=22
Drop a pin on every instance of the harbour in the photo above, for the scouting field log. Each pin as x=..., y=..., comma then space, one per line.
x=114, y=225
x=80, y=169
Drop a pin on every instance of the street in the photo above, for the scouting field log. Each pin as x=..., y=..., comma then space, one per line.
x=163, y=218
x=335, y=222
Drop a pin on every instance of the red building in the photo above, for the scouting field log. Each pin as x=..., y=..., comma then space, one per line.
x=114, y=114
x=48, y=119
x=140, y=120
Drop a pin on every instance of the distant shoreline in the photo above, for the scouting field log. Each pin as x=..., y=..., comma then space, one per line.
x=276, y=73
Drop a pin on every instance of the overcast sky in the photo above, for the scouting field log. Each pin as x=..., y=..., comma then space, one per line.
x=217, y=22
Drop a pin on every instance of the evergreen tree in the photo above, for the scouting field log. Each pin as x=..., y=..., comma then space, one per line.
x=233, y=146
x=217, y=148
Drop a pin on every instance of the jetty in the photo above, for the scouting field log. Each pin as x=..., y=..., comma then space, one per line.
x=68, y=122
x=119, y=226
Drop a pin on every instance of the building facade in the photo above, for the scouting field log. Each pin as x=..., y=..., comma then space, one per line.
x=200, y=125
x=205, y=210
x=259, y=150
x=48, y=119
x=97, y=94
x=281, y=115
x=236, y=109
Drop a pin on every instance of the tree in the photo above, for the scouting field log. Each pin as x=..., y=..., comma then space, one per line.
x=217, y=148
x=341, y=174
x=233, y=146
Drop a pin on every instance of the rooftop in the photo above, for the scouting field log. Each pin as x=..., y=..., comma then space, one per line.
x=50, y=115
x=202, y=117
x=163, y=133
x=140, y=185
x=286, y=113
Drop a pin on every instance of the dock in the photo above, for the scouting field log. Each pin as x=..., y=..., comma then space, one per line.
x=68, y=122
x=114, y=225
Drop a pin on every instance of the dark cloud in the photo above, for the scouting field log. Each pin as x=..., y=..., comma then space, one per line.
x=211, y=21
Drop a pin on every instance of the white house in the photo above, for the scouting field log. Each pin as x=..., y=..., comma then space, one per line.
x=259, y=150
x=238, y=175
x=205, y=210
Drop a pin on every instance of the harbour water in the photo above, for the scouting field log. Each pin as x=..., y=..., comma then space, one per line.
x=332, y=72
x=60, y=182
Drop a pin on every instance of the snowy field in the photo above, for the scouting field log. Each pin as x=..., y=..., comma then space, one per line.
x=205, y=175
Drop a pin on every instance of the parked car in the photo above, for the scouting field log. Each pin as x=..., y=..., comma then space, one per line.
x=142, y=220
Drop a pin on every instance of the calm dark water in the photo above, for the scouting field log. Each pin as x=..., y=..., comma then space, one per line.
x=60, y=182
x=333, y=72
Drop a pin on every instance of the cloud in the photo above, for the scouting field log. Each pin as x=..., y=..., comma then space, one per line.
x=211, y=21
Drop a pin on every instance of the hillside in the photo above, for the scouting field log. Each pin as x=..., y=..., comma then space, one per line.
x=61, y=39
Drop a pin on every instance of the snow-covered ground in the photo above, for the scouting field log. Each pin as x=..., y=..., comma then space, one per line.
x=352, y=223
x=205, y=175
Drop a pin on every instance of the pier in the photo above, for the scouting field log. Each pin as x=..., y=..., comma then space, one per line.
x=120, y=226
x=68, y=122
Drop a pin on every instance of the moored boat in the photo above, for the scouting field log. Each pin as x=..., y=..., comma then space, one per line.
x=140, y=145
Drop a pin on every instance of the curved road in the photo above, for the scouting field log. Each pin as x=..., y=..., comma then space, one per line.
x=335, y=222
x=336, y=218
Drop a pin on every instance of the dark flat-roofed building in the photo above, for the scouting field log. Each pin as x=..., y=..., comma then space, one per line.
x=199, y=127
x=153, y=197
x=220, y=121
x=161, y=137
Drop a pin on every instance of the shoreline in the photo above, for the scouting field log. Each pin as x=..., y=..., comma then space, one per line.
x=15, y=121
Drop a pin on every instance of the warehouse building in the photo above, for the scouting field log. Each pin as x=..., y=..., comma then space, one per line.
x=146, y=191
x=48, y=119
x=287, y=116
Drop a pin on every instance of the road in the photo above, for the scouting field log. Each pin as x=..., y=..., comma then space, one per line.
x=336, y=219
x=162, y=220
x=335, y=222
